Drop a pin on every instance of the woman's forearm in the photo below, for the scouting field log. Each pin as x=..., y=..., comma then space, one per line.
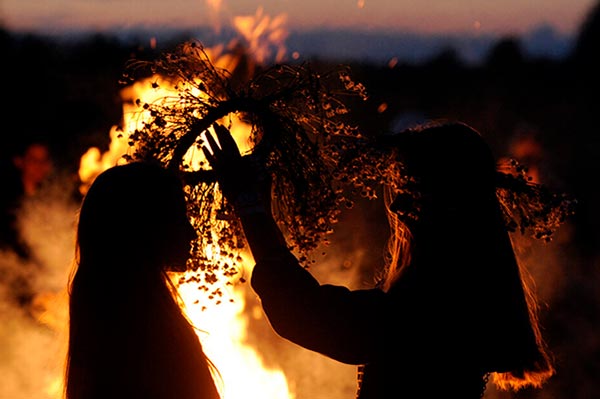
x=264, y=237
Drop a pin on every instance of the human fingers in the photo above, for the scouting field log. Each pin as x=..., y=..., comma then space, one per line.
x=209, y=148
x=208, y=155
x=226, y=140
x=213, y=146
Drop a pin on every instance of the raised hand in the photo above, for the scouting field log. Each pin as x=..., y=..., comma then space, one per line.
x=226, y=161
x=246, y=184
x=239, y=177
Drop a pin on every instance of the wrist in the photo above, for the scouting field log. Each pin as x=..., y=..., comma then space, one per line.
x=249, y=202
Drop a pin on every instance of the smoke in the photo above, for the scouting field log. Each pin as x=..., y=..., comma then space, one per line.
x=33, y=305
x=33, y=338
x=33, y=335
x=30, y=355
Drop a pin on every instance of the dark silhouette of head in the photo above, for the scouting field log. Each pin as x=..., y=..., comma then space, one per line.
x=134, y=215
x=128, y=335
x=450, y=161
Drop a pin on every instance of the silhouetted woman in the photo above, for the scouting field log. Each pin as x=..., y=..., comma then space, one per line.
x=452, y=306
x=128, y=336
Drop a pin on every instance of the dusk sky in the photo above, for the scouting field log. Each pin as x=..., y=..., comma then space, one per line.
x=497, y=17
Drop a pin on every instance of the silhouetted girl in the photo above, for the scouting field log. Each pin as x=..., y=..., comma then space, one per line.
x=128, y=336
x=452, y=306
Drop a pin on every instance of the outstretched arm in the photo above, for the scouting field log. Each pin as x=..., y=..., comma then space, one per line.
x=332, y=320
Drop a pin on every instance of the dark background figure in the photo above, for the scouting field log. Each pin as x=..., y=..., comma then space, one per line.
x=128, y=335
x=453, y=306
x=23, y=174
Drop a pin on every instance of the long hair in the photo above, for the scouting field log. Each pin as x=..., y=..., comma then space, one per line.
x=128, y=335
x=454, y=160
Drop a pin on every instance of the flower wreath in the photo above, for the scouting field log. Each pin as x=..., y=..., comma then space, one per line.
x=318, y=161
